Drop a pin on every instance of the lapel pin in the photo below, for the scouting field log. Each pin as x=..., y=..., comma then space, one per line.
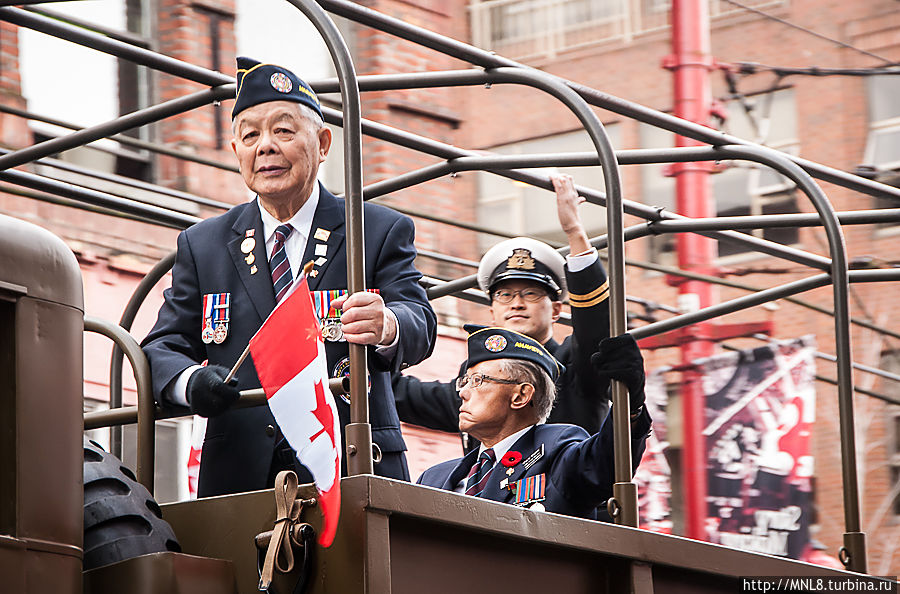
x=321, y=234
x=253, y=269
x=314, y=273
x=248, y=244
x=321, y=261
x=321, y=249
x=249, y=232
x=250, y=259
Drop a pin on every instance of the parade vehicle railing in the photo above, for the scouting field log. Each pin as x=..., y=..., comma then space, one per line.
x=395, y=537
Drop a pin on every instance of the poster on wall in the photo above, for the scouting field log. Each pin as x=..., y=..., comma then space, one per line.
x=760, y=407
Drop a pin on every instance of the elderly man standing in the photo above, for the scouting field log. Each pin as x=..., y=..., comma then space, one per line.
x=507, y=392
x=527, y=281
x=230, y=272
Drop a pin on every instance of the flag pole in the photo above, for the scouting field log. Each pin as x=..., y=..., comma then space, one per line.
x=306, y=268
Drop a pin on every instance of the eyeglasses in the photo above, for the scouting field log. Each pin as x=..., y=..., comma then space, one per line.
x=476, y=379
x=505, y=296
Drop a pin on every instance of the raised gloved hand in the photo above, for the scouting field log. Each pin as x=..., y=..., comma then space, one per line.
x=619, y=358
x=207, y=392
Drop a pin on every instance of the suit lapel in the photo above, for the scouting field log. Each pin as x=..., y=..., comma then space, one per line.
x=258, y=284
x=525, y=446
x=328, y=220
x=461, y=470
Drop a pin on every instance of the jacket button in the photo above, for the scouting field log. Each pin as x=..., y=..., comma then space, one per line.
x=270, y=430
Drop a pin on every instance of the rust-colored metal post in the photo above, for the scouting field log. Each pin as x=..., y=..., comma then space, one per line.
x=691, y=62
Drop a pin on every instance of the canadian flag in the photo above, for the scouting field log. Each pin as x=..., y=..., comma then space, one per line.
x=198, y=432
x=289, y=356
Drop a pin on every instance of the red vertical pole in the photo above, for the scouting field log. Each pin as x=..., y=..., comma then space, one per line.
x=691, y=63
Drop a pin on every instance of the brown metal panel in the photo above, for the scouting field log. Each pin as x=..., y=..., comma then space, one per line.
x=52, y=572
x=433, y=505
x=397, y=538
x=38, y=260
x=42, y=405
x=450, y=559
x=49, y=402
x=12, y=563
x=163, y=573
x=224, y=528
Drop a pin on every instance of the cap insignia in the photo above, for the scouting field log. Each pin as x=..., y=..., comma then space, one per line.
x=521, y=260
x=281, y=83
x=495, y=343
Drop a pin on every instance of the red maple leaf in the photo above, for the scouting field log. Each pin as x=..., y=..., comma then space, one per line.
x=323, y=414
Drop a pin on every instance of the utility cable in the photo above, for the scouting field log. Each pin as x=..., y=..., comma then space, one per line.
x=808, y=31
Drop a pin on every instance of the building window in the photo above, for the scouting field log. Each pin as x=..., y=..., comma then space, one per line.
x=522, y=209
x=542, y=28
x=882, y=155
x=742, y=188
x=745, y=188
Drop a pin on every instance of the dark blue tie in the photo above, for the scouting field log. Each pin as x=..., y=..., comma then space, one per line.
x=478, y=476
x=281, y=267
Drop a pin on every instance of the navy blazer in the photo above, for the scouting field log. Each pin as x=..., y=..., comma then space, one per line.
x=579, y=470
x=239, y=443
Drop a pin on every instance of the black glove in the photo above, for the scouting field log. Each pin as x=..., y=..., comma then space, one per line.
x=619, y=358
x=207, y=392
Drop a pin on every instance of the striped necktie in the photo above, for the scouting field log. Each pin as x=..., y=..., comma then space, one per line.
x=478, y=476
x=279, y=264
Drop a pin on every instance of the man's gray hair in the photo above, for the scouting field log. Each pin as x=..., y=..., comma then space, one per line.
x=311, y=115
x=530, y=373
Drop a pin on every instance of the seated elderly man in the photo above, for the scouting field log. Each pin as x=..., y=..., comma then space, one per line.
x=507, y=393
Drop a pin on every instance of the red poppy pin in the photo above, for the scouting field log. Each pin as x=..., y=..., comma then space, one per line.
x=511, y=459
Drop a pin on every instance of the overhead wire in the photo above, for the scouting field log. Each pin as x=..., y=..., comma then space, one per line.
x=808, y=31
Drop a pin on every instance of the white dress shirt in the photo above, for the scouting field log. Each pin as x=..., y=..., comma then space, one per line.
x=500, y=449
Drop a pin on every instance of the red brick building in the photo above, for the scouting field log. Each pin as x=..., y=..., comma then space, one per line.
x=851, y=123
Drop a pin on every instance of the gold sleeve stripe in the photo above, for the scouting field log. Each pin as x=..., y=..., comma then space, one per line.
x=591, y=303
x=601, y=289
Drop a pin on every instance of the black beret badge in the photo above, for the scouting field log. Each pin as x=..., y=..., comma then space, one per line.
x=495, y=343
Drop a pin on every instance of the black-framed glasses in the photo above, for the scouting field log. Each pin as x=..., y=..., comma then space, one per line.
x=505, y=296
x=476, y=380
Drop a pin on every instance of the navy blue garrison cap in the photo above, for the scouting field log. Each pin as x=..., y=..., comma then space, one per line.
x=258, y=83
x=487, y=343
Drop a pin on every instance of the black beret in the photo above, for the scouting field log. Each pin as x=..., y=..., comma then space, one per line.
x=489, y=343
x=259, y=83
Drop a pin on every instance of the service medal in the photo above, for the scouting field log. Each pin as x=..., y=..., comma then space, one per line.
x=220, y=333
x=207, y=334
x=331, y=330
x=216, y=314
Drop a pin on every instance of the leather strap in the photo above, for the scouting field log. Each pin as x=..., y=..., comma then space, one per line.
x=287, y=513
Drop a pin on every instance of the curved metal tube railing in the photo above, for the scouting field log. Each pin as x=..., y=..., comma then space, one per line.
x=145, y=417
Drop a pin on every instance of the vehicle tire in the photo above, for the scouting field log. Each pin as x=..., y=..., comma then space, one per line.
x=121, y=518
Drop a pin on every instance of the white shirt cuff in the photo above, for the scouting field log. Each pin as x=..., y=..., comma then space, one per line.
x=176, y=392
x=387, y=350
x=581, y=261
